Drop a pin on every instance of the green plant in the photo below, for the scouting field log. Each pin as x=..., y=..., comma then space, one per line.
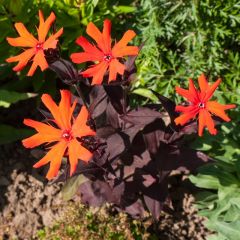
x=220, y=202
x=81, y=223
x=184, y=38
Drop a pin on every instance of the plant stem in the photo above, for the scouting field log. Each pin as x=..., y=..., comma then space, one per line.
x=80, y=94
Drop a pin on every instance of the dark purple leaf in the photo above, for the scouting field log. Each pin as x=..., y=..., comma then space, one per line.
x=65, y=71
x=154, y=135
x=98, y=192
x=141, y=116
x=136, y=209
x=154, y=206
x=169, y=106
x=90, y=170
x=52, y=55
x=118, y=97
x=173, y=157
x=94, y=193
x=116, y=145
x=105, y=132
x=155, y=196
x=148, y=180
x=98, y=101
x=112, y=117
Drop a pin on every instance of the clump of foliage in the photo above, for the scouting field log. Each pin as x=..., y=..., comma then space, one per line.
x=221, y=181
x=80, y=222
x=185, y=38
x=117, y=153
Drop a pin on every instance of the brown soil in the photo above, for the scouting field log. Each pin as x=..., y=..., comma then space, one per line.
x=27, y=201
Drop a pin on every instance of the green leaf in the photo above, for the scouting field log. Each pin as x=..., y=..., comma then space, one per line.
x=71, y=186
x=205, y=181
x=124, y=9
x=216, y=237
x=235, y=201
x=230, y=230
x=10, y=134
x=9, y=97
x=15, y=6
x=146, y=93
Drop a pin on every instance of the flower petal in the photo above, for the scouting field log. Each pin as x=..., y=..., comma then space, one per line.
x=91, y=53
x=53, y=108
x=84, y=57
x=65, y=108
x=26, y=39
x=115, y=67
x=107, y=36
x=193, y=91
x=184, y=109
x=119, y=46
x=46, y=133
x=211, y=90
x=205, y=119
x=75, y=152
x=219, y=109
x=20, y=42
x=185, y=117
x=203, y=83
x=126, y=51
x=94, y=33
x=80, y=128
x=97, y=72
x=38, y=139
x=41, y=127
x=201, y=122
x=22, y=59
x=54, y=156
x=38, y=60
x=52, y=41
x=44, y=26
x=186, y=94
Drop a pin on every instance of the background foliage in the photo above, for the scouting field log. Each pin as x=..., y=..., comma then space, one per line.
x=185, y=38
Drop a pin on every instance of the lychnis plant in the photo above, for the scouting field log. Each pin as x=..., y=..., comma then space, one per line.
x=115, y=153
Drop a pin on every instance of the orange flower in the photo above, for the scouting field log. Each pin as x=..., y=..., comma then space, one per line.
x=64, y=136
x=106, y=56
x=35, y=46
x=201, y=106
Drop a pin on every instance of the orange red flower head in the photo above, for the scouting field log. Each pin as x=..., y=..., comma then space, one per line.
x=200, y=105
x=35, y=46
x=106, y=56
x=63, y=138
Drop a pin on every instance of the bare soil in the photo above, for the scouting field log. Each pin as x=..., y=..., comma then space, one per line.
x=27, y=201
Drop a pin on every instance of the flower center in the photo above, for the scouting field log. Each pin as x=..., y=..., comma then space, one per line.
x=201, y=105
x=67, y=135
x=39, y=46
x=107, y=57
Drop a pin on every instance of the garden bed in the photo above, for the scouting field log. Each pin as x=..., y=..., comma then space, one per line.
x=28, y=204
